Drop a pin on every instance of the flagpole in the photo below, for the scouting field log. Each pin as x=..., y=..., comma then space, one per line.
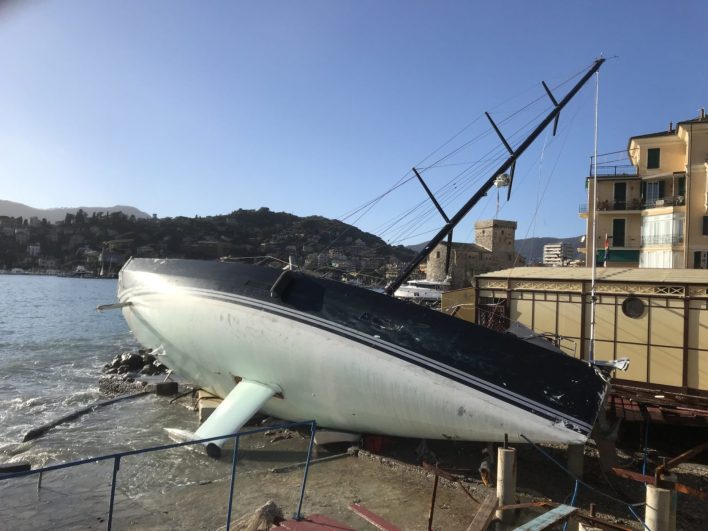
x=591, y=350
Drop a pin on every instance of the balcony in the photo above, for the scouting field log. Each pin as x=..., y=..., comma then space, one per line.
x=672, y=200
x=662, y=239
x=635, y=204
x=610, y=206
x=606, y=170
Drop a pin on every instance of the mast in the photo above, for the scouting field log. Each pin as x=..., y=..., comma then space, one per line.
x=591, y=350
x=553, y=115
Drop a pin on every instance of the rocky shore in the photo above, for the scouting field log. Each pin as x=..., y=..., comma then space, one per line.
x=131, y=372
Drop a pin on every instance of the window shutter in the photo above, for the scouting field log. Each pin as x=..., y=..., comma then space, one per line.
x=661, y=189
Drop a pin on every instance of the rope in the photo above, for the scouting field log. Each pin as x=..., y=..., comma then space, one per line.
x=579, y=481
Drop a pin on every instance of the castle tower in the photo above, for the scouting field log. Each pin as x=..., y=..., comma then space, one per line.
x=496, y=235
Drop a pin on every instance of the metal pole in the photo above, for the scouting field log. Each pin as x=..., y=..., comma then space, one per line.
x=233, y=480
x=313, y=429
x=116, y=467
x=490, y=182
x=432, y=503
x=591, y=349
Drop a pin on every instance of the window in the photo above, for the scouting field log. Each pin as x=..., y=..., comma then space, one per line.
x=653, y=158
x=653, y=192
x=705, y=225
x=620, y=195
x=665, y=229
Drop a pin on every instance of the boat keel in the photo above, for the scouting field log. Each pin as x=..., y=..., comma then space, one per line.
x=238, y=407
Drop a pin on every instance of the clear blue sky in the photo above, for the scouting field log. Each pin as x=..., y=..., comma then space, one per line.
x=315, y=107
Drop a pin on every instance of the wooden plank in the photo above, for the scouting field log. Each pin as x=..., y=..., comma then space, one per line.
x=549, y=519
x=485, y=514
x=373, y=518
x=313, y=522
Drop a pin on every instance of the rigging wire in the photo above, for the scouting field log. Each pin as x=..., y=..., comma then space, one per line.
x=450, y=190
x=406, y=177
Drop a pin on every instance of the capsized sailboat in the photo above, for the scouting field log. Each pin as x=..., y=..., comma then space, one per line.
x=300, y=347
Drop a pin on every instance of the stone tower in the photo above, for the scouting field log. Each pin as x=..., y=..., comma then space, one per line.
x=496, y=235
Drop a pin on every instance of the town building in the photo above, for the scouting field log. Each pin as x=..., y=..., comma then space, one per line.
x=557, y=254
x=653, y=212
x=493, y=249
x=655, y=317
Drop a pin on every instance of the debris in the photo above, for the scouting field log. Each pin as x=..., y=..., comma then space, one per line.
x=41, y=430
x=265, y=517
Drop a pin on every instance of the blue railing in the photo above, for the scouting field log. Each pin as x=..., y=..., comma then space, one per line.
x=116, y=457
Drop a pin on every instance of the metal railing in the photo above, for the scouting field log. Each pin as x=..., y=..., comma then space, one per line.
x=671, y=200
x=635, y=204
x=609, y=170
x=631, y=204
x=662, y=239
x=116, y=457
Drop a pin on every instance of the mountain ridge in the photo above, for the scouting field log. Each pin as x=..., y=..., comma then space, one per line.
x=52, y=215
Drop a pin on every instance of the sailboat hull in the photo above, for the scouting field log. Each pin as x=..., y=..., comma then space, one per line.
x=353, y=359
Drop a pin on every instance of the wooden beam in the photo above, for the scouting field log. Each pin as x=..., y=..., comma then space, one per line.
x=549, y=519
x=485, y=514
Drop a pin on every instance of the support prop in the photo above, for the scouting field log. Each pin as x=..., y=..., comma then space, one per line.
x=238, y=407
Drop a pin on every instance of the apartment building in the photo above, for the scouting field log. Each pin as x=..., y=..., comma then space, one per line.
x=653, y=212
x=557, y=254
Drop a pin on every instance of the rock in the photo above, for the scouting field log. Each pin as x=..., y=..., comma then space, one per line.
x=148, y=369
x=134, y=362
x=264, y=518
x=166, y=388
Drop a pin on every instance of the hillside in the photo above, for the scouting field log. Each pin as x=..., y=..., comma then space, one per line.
x=91, y=241
x=52, y=215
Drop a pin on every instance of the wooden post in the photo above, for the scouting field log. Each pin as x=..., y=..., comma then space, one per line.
x=658, y=508
x=576, y=456
x=506, y=482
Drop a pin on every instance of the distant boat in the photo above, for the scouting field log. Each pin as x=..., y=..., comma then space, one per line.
x=301, y=347
x=423, y=291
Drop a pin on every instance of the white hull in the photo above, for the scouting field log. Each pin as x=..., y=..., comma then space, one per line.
x=216, y=338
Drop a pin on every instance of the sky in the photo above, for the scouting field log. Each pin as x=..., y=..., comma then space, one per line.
x=315, y=107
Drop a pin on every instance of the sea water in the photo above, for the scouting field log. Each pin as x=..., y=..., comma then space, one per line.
x=53, y=344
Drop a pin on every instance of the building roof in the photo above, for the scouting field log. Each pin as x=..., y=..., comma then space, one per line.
x=612, y=274
x=466, y=246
